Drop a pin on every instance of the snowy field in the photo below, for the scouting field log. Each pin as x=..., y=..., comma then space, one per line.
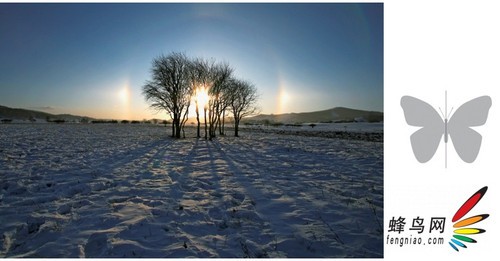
x=131, y=191
x=351, y=131
x=375, y=127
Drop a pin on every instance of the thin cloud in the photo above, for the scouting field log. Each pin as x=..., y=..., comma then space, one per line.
x=44, y=108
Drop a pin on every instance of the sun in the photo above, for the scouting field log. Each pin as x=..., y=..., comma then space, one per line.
x=202, y=98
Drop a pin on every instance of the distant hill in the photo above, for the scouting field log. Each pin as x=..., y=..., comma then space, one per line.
x=26, y=115
x=338, y=114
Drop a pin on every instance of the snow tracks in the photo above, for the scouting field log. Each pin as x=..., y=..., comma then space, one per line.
x=129, y=191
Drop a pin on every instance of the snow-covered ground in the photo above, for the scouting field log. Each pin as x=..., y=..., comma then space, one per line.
x=351, y=131
x=130, y=191
x=375, y=127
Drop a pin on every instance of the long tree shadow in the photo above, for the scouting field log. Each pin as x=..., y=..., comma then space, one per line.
x=294, y=186
x=216, y=216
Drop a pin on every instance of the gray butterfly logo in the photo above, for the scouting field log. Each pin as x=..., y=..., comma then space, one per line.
x=426, y=140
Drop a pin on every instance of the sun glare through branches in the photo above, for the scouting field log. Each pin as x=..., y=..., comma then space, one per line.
x=202, y=97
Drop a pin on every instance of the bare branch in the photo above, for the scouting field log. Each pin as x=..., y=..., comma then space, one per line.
x=170, y=88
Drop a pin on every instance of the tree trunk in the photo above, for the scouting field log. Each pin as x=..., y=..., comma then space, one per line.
x=223, y=126
x=173, y=128
x=198, y=121
x=178, y=128
x=183, y=122
x=236, y=126
x=212, y=122
x=219, y=125
x=205, y=112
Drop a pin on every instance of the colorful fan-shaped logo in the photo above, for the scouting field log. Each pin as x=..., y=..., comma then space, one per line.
x=463, y=232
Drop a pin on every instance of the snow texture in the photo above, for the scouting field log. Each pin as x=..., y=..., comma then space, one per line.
x=77, y=190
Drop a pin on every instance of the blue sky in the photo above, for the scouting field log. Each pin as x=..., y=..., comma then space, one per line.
x=92, y=59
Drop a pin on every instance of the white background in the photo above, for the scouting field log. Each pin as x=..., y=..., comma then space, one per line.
x=430, y=47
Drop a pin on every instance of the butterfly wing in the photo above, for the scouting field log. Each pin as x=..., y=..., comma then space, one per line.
x=467, y=141
x=425, y=141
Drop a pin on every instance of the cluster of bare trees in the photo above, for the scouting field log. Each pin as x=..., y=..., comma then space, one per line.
x=178, y=82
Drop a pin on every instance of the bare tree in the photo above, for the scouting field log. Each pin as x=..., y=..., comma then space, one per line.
x=210, y=77
x=200, y=74
x=242, y=101
x=221, y=75
x=170, y=89
x=225, y=104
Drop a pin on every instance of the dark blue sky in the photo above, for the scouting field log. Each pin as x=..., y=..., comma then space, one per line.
x=93, y=59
